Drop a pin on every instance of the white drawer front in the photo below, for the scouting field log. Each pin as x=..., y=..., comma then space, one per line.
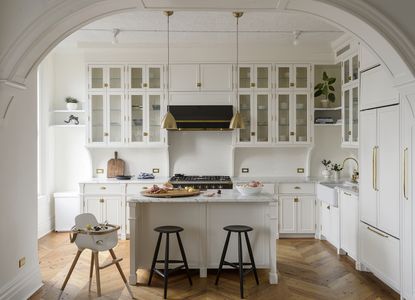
x=296, y=188
x=137, y=188
x=104, y=189
x=380, y=253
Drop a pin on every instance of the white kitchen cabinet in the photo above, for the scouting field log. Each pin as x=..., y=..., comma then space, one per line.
x=292, y=118
x=292, y=77
x=201, y=77
x=144, y=112
x=380, y=169
x=297, y=214
x=256, y=77
x=350, y=69
x=348, y=223
x=145, y=77
x=105, y=78
x=367, y=58
x=329, y=223
x=350, y=116
x=379, y=252
x=105, y=118
x=106, y=208
x=255, y=108
x=376, y=89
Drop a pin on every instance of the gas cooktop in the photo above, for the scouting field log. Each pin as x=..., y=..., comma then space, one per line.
x=202, y=182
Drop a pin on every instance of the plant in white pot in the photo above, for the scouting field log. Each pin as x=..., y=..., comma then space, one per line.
x=337, y=168
x=326, y=89
x=71, y=103
x=326, y=172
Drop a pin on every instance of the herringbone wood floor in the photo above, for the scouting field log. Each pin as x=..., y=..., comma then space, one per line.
x=308, y=269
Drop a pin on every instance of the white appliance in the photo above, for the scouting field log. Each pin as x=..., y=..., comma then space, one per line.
x=67, y=207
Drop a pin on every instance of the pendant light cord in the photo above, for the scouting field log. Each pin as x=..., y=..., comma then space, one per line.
x=168, y=58
x=237, y=59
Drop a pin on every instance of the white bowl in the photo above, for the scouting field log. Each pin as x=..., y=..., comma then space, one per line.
x=249, y=191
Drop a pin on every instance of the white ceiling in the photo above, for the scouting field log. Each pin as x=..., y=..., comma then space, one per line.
x=148, y=29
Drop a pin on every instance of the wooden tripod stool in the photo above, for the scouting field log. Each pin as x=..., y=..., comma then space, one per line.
x=96, y=241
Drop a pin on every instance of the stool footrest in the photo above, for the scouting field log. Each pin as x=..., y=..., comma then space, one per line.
x=171, y=261
x=113, y=262
x=235, y=264
x=171, y=271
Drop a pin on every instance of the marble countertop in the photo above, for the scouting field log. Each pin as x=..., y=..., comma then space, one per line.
x=227, y=196
x=276, y=179
x=103, y=180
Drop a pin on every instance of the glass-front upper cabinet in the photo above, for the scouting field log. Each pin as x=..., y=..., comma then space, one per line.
x=154, y=118
x=145, y=77
x=115, y=118
x=96, y=130
x=263, y=117
x=292, y=118
x=350, y=69
x=350, y=132
x=254, y=77
x=136, y=118
x=105, y=77
x=292, y=76
x=245, y=108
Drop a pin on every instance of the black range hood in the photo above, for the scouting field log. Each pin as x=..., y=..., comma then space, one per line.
x=202, y=117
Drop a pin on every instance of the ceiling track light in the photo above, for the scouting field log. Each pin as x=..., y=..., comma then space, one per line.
x=296, y=35
x=115, y=33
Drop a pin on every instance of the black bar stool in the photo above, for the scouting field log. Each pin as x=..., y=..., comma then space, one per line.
x=167, y=230
x=238, y=265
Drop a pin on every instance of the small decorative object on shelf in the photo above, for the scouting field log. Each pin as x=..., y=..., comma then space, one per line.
x=71, y=103
x=326, y=172
x=325, y=88
x=337, y=168
x=72, y=120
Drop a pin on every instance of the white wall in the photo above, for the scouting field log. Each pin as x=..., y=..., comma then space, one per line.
x=18, y=200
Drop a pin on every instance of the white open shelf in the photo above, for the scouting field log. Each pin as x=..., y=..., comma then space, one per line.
x=69, y=126
x=328, y=108
x=68, y=111
x=326, y=125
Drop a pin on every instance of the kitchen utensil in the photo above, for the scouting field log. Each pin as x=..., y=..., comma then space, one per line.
x=115, y=166
x=172, y=194
x=124, y=177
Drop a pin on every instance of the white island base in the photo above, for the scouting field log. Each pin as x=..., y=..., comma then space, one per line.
x=203, y=219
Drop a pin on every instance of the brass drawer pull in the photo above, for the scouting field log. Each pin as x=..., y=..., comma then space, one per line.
x=292, y=84
x=297, y=188
x=101, y=200
x=347, y=194
x=103, y=188
x=405, y=172
x=145, y=133
x=377, y=232
x=292, y=133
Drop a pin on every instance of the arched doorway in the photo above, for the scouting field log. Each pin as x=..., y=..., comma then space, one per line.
x=57, y=21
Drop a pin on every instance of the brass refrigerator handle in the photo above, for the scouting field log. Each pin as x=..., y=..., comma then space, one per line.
x=376, y=168
x=377, y=232
x=405, y=172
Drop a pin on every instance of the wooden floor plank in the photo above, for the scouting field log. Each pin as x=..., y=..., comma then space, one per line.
x=307, y=268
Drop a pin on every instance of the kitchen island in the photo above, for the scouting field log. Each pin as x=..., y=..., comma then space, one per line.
x=203, y=219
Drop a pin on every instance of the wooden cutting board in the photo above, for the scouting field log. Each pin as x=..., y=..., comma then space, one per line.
x=115, y=166
x=172, y=193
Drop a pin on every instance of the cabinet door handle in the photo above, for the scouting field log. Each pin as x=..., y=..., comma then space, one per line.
x=377, y=232
x=405, y=172
x=373, y=168
x=347, y=194
x=376, y=168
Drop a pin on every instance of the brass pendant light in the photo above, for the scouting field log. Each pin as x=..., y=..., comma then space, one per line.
x=168, y=122
x=237, y=120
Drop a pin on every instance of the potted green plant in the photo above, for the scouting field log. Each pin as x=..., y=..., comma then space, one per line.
x=71, y=103
x=337, y=169
x=326, y=89
x=326, y=172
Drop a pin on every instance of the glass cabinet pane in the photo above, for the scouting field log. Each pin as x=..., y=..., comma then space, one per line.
x=115, y=118
x=245, y=110
x=154, y=78
x=136, y=78
x=137, y=119
x=355, y=114
x=97, y=118
x=262, y=118
x=301, y=117
x=346, y=120
x=244, y=77
x=115, y=78
x=355, y=67
x=346, y=71
x=283, y=118
x=154, y=118
x=301, y=77
x=262, y=77
x=97, y=78
x=283, y=77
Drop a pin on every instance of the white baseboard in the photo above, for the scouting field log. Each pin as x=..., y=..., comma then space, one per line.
x=22, y=286
x=45, y=227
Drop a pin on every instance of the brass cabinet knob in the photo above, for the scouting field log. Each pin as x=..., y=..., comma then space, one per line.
x=199, y=84
x=105, y=84
x=144, y=85
x=101, y=200
x=292, y=133
x=297, y=188
x=296, y=199
x=103, y=188
x=350, y=133
x=292, y=84
x=252, y=133
x=252, y=84
x=350, y=77
x=145, y=133
x=106, y=134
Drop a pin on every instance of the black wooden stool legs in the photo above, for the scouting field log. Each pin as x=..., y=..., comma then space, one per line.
x=167, y=230
x=240, y=264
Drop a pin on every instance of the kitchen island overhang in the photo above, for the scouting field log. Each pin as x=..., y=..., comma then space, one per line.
x=203, y=219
